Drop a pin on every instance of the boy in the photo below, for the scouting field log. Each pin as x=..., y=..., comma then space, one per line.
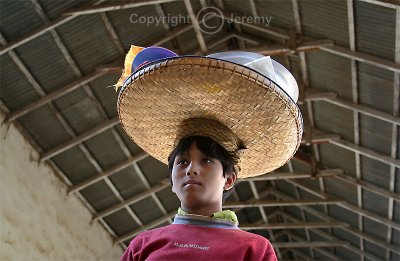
x=202, y=172
x=223, y=119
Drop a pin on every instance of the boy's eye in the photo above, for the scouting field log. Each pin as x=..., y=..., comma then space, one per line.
x=180, y=162
x=207, y=160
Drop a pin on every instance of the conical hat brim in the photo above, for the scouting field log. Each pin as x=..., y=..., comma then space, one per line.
x=157, y=98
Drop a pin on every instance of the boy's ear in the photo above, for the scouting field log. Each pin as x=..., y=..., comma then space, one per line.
x=230, y=181
x=173, y=188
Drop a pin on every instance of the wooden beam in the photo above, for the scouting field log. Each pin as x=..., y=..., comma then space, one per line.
x=328, y=253
x=113, y=34
x=245, y=37
x=70, y=60
x=36, y=33
x=279, y=203
x=113, y=7
x=52, y=96
x=158, y=221
x=316, y=95
x=368, y=186
x=196, y=26
x=372, y=239
x=337, y=50
x=362, y=57
x=106, y=173
x=394, y=4
x=297, y=225
x=158, y=188
x=148, y=226
x=395, y=130
x=277, y=49
x=266, y=29
x=313, y=244
x=40, y=31
x=296, y=253
x=366, y=152
x=163, y=184
x=294, y=175
x=347, y=205
x=331, y=237
x=83, y=80
x=309, y=119
x=355, y=100
x=79, y=139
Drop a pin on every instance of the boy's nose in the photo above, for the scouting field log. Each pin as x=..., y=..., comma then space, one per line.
x=192, y=169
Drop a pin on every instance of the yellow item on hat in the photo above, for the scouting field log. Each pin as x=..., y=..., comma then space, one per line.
x=133, y=51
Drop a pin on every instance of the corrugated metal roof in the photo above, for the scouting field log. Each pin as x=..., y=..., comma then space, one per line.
x=375, y=29
x=237, y=7
x=329, y=72
x=376, y=87
x=79, y=110
x=374, y=228
x=45, y=128
x=325, y=19
x=280, y=12
x=376, y=134
x=347, y=236
x=128, y=182
x=134, y=26
x=109, y=157
x=168, y=199
x=74, y=165
x=54, y=9
x=341, y=122
x=147, y=210
x=153, y=170
x=372, y=172
x=133, y=148
x=90, y=45
x=121, y=222
x=46, y=63
x=100, y=196
x=344, y=215
x=286, y=188
x=84, y=31
x=15, y=98
x=18, y=18
x=105, y=93
x=335, y=157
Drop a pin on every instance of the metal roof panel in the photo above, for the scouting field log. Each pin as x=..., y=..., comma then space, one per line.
x=88, y=42
x=375, y=29
x=18, y=18
x=74, y=165
x=325, y=19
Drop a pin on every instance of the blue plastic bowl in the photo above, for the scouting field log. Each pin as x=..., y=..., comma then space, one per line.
x=150, y=54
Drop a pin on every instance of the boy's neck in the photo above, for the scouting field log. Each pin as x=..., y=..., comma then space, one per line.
x=202, y=211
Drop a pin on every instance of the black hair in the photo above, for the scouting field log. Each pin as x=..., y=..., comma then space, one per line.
x=208, y=147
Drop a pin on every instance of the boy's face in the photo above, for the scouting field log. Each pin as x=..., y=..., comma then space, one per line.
x=198, y=180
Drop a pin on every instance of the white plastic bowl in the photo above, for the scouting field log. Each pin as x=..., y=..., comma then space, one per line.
x=265, y=66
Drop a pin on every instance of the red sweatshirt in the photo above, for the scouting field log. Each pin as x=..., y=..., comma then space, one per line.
x=192, y=238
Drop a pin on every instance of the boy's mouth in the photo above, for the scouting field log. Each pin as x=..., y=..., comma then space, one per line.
x=191, y=182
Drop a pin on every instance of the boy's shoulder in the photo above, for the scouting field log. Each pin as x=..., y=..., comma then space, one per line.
x=154, y=231
x=251, y=236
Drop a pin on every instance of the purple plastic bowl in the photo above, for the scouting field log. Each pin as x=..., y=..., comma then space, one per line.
x=150, y=54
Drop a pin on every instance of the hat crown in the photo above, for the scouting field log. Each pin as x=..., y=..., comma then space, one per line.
x=211, y=128
x=215, y=130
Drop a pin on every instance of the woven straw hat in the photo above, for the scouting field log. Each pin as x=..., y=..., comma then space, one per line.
x=240, y=108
